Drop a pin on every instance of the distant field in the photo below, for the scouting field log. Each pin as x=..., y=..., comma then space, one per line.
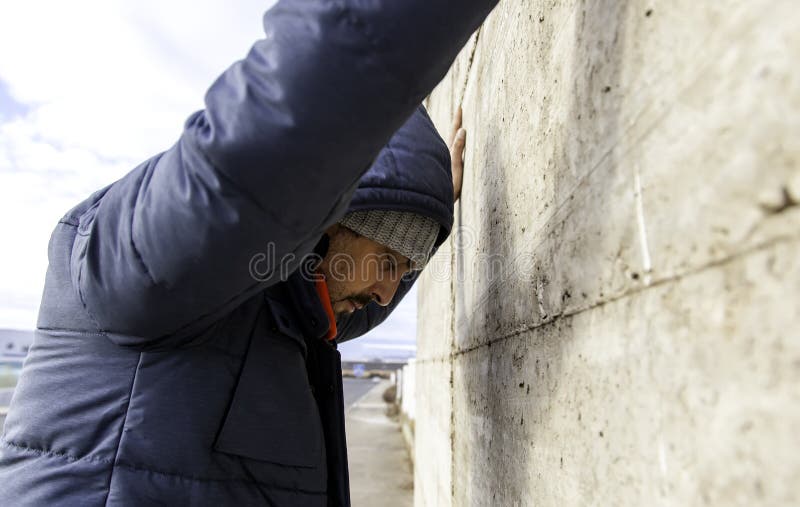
x=7, y=380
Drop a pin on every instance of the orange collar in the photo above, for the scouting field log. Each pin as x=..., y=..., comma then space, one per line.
x=322, y=290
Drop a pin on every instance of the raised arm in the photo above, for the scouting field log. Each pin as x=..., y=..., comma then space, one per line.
x=267, y=166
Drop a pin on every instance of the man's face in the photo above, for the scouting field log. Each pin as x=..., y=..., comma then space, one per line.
x=359, y=270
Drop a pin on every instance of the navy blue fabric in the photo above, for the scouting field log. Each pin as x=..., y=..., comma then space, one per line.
x=163, y=372
x=411, y=173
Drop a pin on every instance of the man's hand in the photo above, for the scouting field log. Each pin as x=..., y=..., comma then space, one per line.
x=458, y=140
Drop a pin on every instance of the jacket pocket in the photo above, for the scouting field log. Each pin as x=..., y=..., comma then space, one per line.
x=273, y=416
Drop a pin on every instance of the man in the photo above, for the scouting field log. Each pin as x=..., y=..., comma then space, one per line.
x=172, y=364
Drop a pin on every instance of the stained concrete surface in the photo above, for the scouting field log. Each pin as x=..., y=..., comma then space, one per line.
x=616, y=322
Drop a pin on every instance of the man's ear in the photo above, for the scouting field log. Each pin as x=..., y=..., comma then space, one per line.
x=332, y=230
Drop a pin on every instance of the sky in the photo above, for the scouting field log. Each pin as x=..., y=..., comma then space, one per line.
x=88, y=90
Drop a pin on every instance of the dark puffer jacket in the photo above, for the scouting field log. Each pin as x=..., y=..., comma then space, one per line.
x=163, y=372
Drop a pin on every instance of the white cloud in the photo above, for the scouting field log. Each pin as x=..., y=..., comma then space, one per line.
x=101, y=85
x=118, y=77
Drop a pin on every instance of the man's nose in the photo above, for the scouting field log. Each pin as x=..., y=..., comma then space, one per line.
x=383, y=292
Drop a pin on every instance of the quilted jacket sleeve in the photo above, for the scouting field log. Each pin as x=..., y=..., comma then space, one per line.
x=266, y=166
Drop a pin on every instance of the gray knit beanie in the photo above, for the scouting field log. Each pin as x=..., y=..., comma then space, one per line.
x=407, y=233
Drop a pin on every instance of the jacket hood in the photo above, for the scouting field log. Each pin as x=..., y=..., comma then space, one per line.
x=411, y=173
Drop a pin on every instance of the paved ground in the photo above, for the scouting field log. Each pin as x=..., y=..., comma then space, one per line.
x=355, y=388
x=380, y=470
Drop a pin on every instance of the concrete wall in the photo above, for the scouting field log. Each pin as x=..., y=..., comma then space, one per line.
x=618, y=322
x=406, y=392
x=405, y=381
